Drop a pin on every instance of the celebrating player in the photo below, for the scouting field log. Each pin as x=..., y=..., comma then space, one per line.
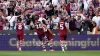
x=40, y=32
x=20, y=33
x=48, y=34
x=62, y=27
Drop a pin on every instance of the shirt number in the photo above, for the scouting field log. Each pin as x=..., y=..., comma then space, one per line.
x=19, y=27
x=61, y=26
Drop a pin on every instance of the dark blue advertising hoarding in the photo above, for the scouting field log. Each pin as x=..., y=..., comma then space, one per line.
x=31, y=42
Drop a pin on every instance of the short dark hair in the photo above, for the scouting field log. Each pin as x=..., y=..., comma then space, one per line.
x=94, y=24
x=36, y=17
x=19, y=19
x=43, y=21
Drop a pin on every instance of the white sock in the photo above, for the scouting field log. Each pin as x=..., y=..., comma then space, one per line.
x=20, y=49
x=62, y=48
x=65, y=45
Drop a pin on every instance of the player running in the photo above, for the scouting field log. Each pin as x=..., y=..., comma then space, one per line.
x=20, y=33
x=48, y=34
x=40, y=32
x=62, y=27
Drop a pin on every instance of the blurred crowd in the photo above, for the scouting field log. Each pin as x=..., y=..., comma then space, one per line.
x=79, y=14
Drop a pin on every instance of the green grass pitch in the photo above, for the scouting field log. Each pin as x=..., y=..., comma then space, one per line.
x=48, y=53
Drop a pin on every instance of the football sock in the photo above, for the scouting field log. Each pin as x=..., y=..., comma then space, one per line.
x=65, y=44
x=20, y=44
x=43, y=45
x=19, y=48
x=51, y=44
x=62, y=45
x=62, y=48
x=17, y=44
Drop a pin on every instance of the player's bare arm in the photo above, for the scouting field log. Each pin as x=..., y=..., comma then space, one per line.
x=50, y=31
x=68, y=29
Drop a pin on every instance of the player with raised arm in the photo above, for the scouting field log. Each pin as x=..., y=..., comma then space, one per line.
x=40, y=32
x=62, y=27
x=48, y=34
x=20, y=33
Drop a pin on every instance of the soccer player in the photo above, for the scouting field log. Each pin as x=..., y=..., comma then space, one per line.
x=62, y=27
x=20, y=32
x=40, y=32
x=48, y=34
